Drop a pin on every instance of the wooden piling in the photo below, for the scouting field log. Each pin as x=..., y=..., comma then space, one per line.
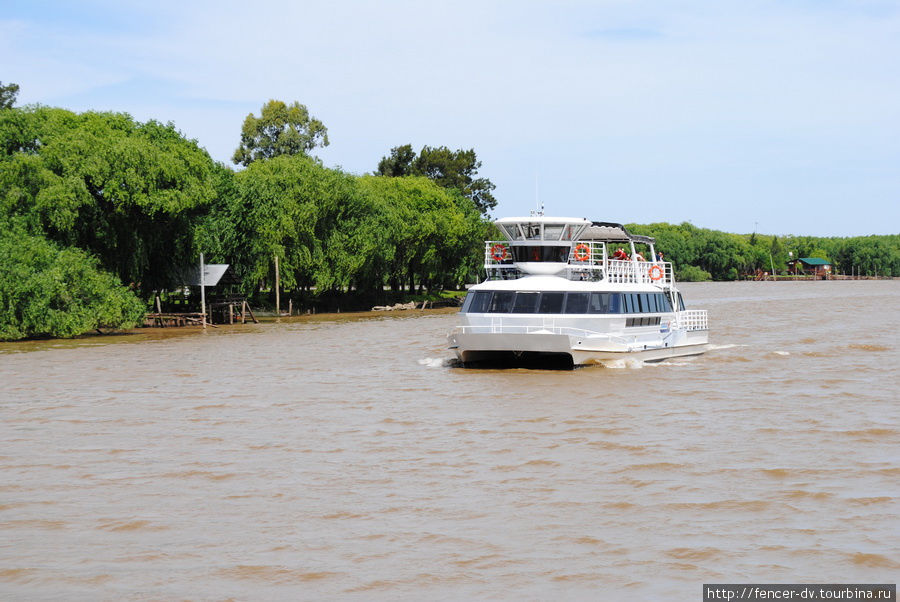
x=277, y=292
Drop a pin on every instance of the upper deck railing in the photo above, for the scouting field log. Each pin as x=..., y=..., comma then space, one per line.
x=693, y=319
x=586, y=261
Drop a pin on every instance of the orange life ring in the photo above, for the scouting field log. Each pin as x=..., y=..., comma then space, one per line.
x=499, y=252
x=659, y=273
x=582, y=252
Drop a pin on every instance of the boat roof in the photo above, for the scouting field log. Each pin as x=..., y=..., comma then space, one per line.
x=599, y=231
x=612, y=232
x=542, y=219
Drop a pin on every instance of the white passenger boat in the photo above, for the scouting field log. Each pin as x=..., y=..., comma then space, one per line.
x=571, y=291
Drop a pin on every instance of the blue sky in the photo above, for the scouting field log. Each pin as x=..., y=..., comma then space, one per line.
x=777, y=115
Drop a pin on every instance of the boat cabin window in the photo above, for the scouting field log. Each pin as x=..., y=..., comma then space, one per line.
x=680, y=302
x=551, y=303
x=501, y=302
x=577, y=303
x=605, y=303
x=526, y=303
x=553, y=231
x=558, y=302
x=511, y=231
x=480, y=301
x=555, y=253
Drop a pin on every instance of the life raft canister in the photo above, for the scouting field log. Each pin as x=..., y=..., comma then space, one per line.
x=656, y=272
x=499, y=252
x=582, y=252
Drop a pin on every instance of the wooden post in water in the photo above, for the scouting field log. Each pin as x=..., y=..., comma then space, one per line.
x=159, y=319
x=277, y=292
x=202, y=293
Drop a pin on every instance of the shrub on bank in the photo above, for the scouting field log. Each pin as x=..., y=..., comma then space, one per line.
x=46, y=290
x=690, y=273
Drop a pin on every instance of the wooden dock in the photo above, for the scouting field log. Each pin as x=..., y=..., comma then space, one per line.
x=228, y=312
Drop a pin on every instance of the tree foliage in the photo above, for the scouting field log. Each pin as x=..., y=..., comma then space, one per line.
x=47, y=290
x=91, y=200
x=450, y=169
x=125, y=191
x=281, y=129
x=336, y=232
x=427, y=236
x=8, y=94
x=726, y=256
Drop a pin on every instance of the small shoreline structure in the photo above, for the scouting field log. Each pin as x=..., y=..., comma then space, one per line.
x=224, y=305
x=569, y=291
x=810, y=268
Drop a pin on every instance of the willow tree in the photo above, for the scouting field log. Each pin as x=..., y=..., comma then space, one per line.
x=429, y=236
x=290, y=206
x=125, y=191
x=48, y=290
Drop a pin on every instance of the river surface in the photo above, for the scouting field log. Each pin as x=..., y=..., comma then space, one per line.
x=344, y=457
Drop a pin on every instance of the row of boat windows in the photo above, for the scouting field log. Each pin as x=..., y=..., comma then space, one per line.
x=645, y=321
x=552, y=302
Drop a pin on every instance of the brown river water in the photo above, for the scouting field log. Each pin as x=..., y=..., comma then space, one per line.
x=345, y=457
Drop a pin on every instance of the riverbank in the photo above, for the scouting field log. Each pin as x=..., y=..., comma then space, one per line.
x=146, y=334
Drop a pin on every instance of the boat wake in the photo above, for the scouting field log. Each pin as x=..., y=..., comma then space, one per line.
x=628, y=363
x=436, y=362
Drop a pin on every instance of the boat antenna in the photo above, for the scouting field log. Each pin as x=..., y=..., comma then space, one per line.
x=537, y=199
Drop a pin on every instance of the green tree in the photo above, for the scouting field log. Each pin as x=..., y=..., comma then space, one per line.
x=450, y=169
x=8, y=94
x=280, y=129
x=128, y=192
x=288, y=206
x=399, y=163
x=46, y=290
x=429, y=237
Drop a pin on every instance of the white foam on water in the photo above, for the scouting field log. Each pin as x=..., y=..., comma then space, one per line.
x=781, y=352
x=621, y=364
x=680, y=361
x=716, y=347
x=434, y=362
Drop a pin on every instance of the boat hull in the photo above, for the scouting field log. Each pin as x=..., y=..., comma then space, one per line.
x=535, y=348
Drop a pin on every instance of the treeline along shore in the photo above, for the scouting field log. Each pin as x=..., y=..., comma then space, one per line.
x=100, y=212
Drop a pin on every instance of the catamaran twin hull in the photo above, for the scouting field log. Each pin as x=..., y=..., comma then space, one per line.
x=535, y=348
x=578, y=291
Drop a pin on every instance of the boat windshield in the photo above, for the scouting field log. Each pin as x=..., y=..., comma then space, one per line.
x=554, y=253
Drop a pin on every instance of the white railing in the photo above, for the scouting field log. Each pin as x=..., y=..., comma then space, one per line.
x=692, y=319
x=585, y=262
x=639, y=272
x=586, y=253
